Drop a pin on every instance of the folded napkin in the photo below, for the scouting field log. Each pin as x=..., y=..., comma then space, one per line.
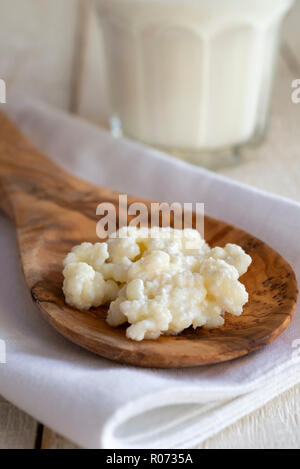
x=101, y=404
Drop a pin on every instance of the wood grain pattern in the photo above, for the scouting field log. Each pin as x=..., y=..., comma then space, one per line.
x=53, y=210
x=17, y=429
x=274, y=426
x=51, y=440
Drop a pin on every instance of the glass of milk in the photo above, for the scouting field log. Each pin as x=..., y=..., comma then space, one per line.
x=192, y=77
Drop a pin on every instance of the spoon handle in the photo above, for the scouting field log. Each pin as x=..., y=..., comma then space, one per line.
x=29, y=180
x=24, y=171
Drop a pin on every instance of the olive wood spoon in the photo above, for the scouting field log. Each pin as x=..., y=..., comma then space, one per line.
x=53, y=210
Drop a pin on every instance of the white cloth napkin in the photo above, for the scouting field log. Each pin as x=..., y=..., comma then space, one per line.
x=99, y=403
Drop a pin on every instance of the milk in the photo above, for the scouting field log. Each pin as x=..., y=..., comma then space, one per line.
x=191, y=75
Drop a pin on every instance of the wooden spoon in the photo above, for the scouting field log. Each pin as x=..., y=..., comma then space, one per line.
x=53, y=211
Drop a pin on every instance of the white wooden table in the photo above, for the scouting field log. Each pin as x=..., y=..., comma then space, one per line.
x=71, y=79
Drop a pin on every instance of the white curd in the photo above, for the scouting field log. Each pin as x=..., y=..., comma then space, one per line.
x=159, y=280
